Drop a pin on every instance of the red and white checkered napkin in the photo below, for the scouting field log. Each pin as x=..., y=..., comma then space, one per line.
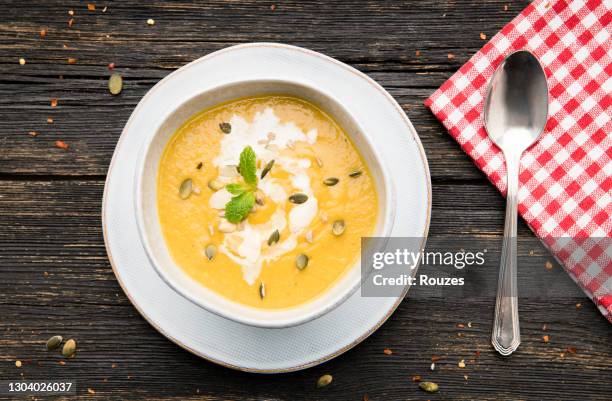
x=566, y=178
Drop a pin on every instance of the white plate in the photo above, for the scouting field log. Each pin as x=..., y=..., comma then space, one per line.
x=210, y=336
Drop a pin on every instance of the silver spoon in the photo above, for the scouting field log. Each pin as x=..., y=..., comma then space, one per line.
x=515, y=114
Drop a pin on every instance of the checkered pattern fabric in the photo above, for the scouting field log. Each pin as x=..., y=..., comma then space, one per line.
x=565, y=191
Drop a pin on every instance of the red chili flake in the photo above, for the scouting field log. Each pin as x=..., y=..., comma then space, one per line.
x=49, y=120
x=461, y=325
x=435, y=358
x=387, y=351
x=70, y=22
x=273, y=7
x=111, y=66
x=91, y=7
x=571, y=350
x=43, y=33
x=33, y=133
x=450, y=56
x=53, y=102
x=62, y=145
x=546, y=338
x=477, y=353
x=365, y=397
x=72, y=60
x=416, y=378
x=417, y=53
x=483, y=36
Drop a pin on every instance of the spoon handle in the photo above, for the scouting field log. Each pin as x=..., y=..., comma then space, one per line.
x=506, y=336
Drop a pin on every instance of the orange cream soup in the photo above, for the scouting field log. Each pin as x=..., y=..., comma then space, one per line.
x=308, y=146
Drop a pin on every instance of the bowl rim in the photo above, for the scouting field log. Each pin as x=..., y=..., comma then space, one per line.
x=387, y=220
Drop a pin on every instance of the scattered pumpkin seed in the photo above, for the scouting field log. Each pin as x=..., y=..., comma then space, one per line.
x=226, y=128
x=324, y=380
x=54, y=342
x=115, y=84
x=429, y=387
x=211, y=251
x=69, y=348
x=185, y=188
x=331, y=181
x=301, y=261
x=274, y=237
x=298, y=198
x=355, y=173
x=214, y=185
x=267, y=168
x=338, y=227
x=262, y=290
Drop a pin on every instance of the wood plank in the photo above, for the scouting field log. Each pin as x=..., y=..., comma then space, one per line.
x=54, y=226
x=90, y=120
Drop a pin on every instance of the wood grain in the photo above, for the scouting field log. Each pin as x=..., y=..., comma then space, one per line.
x=50, y=203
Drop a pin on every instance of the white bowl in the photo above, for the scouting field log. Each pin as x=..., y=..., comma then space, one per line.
x=148, y=220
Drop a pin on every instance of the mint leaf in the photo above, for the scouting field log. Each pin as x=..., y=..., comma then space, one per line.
x=235, y=189
x=237, y=209
x=248, y=166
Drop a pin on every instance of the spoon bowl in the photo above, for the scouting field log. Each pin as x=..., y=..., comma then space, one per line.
x=515, y=114
x=516, y=106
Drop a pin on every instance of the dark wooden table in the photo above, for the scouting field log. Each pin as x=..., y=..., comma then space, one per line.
x=56, y=278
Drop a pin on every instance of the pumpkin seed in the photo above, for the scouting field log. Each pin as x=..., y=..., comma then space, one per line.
x=355, y=173
x=185, y=188
x=338, y=227
x=54, y=342
x=214, y=185
x=262, y=290
x=226, y=128
x=69, y=348
x=298, y=198
x=324, y=380
x=429, y=387
x=301, y=261
x=115, y=84
x=274, y=237
x=331, y=181
x=259, y=198
x=267, y=168
x=230, y=170
x=211, y=251
x=226, y=227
